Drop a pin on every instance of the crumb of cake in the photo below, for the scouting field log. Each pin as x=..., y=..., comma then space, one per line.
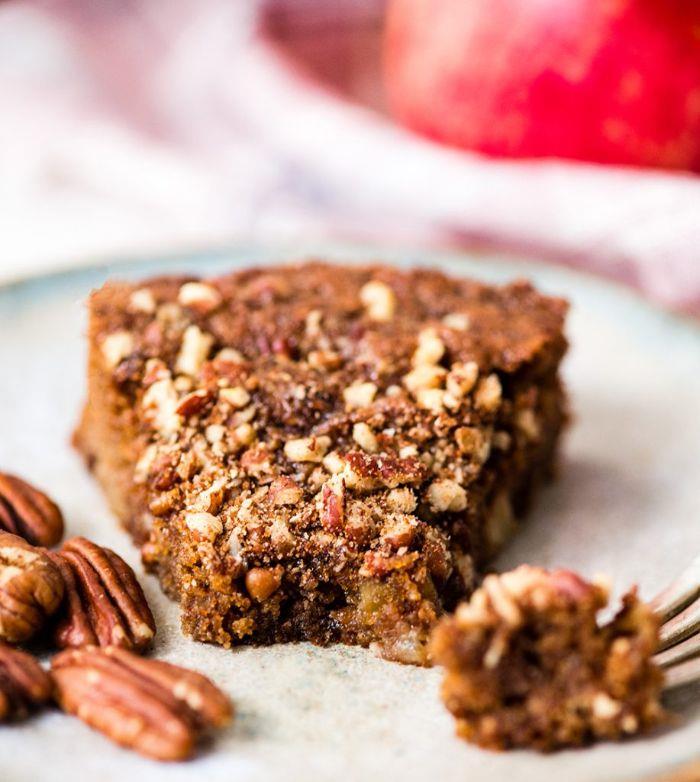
x=318, y=452
x=528, y=665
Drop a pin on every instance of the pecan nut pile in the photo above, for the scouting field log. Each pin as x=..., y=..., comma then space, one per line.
x=105, y=604
x=24, y=684
x=31, y=588
x=153, y=707
x=28, y=512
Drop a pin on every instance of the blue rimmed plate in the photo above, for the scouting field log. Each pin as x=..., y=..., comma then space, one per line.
x=626, y=504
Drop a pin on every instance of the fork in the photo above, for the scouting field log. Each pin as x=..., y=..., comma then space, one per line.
x=678, y=606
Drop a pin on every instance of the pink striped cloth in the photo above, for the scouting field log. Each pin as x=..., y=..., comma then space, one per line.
x=175, y=123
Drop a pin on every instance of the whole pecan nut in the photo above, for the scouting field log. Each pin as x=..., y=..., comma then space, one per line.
x=24, y=684
x=153, y=707
x=31, y=588
x=28, y=512
x=104, y=603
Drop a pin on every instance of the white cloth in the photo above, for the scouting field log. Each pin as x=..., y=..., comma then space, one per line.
x=173, y=124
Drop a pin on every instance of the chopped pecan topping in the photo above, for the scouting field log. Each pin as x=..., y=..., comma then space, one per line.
x=379, y=300
x=459, y=321
x=402, y=500
x=245, y=434
x=368, y=471
x=333, y=463
x=116, y=347
x=236, y=396
x=333, y=504
x=377, y=564
x=462, y=378
x=31, y=588
x=488, y=393
x=399, y=530
x=24, y=684
x=446, y=495
x=154, y=371
x=432, y=399
x=194, y=403
x=160, y=406
x=194, y=350
x=284, y=491
x=229, y=356
x=307, y=449
x=430, y=348
x=28, y=512
x=204, y=524
x=153, y=707
x=363, y=435
x=209, y=500
x=104, y=602
x=359, y=395
x=199, y=296
x=256, y=461
x=324, y=359
x=471, y=440
x=423, y=377
x=142, y=300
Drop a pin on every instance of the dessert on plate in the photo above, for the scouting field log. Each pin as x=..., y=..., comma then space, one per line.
x=318, y=452
x=528, y=665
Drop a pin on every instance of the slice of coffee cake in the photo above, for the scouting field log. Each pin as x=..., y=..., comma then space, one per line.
x=317, y=452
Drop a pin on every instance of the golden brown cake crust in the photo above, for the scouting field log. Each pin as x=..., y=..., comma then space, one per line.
x=321, y=453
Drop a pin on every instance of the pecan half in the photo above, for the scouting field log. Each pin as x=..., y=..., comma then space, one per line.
x=104, y=603
x=28, y=512
x=153, y=707
x=24, y=684
x=31, y=588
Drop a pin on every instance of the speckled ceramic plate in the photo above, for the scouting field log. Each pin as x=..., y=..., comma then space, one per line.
x=627, y=504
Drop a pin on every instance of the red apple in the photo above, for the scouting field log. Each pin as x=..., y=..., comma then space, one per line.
x=612, y=81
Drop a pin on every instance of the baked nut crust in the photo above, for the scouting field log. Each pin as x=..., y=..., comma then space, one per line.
x=317, y=452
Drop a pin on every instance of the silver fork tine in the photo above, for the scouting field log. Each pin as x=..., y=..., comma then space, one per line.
x=679, y=593
x=681, y=626
x=678, y=653
x=678, y=607
x=687, y=672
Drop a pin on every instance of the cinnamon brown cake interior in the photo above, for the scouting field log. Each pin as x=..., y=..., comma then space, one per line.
x=528, y=664
x=318, y=452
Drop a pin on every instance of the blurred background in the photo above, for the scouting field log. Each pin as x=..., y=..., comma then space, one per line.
x=562, y=129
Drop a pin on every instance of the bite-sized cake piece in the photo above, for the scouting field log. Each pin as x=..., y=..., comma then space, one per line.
x=318, y=452
x=528, y=665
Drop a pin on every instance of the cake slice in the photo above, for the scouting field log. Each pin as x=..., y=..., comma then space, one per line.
x=319, y=452
x=528, y=665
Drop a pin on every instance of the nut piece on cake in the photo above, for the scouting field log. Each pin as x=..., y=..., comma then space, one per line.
x=528, y=665
x=322, y=453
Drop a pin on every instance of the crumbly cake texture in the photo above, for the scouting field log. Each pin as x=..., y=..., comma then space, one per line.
x=319, y=452
x=528, y=665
